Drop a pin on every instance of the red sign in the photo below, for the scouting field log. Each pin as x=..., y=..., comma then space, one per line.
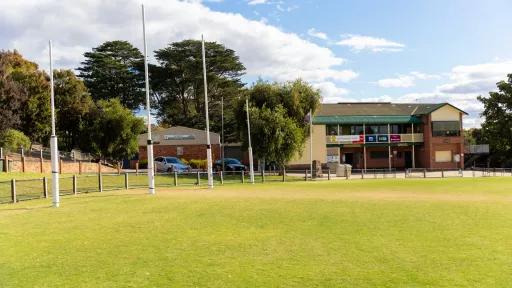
x=360, y=141
x=395, y=138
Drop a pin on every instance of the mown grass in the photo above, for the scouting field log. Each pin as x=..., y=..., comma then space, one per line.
x=361, y=233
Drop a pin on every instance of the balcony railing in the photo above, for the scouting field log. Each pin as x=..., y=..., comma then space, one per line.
x=375, y=138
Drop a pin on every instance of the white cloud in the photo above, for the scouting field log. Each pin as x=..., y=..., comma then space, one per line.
x=466, y=83
x=317, y=34
x=77, y=26
x=404, y=81
x=257, y=2
x=479, y=78
x=401, y=81
x=331, y=93
x=424, y=76
x=359, y=43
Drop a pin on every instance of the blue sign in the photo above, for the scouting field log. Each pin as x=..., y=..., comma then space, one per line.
x=382, y=138
x=371, y=138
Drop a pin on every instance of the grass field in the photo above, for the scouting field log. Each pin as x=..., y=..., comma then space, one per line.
x=361, y=233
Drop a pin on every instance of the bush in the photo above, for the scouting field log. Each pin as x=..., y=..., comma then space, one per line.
x=197, y=163
x=143, y=164
x=12, y=140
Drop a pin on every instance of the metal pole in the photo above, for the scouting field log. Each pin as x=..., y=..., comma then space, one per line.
x=251, y=166
x=151, y=172
x=389, y=146
x=413, y=160
x=311, y=142
x=222, y=130
x=208, y=144
x=364, y=146
x=53, y=140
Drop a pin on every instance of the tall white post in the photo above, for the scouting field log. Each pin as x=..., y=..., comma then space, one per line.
x=311, y=143
x=412, y=138
x=364, y=146
x=208, y=144
x=222, y=131
x=389, y=147
x=53, y=140
x=151, y=172
x=251, y=166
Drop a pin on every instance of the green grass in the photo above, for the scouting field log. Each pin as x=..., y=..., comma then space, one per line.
x=361, y=233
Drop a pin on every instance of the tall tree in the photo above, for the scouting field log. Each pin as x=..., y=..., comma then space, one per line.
x=498, y=122
x=111, y=130
x=278, y=113
x=12, y=96
x=177, y=83
x=113, y=70
x=25, y=97
x=72, y=102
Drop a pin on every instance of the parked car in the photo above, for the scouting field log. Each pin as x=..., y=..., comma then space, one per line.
x=230, y=164
x=170, y=164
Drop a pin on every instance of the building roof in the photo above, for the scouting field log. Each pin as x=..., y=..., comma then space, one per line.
x=375, y=112
x=178, y=135
x=356, y=119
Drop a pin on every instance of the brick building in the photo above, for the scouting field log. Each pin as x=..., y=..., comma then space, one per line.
x=181, y=142
x=387, y=135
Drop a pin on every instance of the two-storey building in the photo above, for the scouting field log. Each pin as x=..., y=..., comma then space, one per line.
x=387, y=135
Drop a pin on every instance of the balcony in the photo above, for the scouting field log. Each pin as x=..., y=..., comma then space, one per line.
x=375, y=138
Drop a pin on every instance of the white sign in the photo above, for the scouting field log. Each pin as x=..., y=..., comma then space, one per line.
x=179, y=137
x=347, y=138
x=333, y=158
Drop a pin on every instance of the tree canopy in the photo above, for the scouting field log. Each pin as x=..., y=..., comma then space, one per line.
x=114, y=70
x=178, y=86
x=24, y=97
x=497, y=127
x=277, y=113
x=72, y=102
x=111, y=130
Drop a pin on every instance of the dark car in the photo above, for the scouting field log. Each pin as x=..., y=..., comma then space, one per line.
x=230, y=164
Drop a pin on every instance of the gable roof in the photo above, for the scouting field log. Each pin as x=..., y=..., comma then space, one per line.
x=375, y=112
x=379, y=109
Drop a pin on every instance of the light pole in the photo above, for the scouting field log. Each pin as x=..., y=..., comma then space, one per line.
x=151, y=172
x=53, y=140
x=208, y=144
x=251, y=166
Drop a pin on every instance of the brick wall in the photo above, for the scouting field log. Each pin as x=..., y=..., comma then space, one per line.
x=433, y=144
x=44, y=166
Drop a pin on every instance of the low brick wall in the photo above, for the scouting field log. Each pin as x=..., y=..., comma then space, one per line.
x=37, y=165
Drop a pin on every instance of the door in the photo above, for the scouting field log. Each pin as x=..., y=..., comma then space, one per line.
x=408, y=159
x=349, y=158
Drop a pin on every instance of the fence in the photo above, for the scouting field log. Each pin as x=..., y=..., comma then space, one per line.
x=26, y=189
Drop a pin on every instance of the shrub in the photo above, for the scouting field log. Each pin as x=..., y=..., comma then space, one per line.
x=12, y=140
x=143, y=164
x=197, y=163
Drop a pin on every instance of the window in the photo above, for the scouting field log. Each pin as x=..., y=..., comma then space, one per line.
x=356, y=130
x=331, y=129
x=446, y=128
x=443, y=156
x=377, y=129
x=379, y=154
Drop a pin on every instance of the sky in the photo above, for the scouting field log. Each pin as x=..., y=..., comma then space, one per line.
x=401, y=51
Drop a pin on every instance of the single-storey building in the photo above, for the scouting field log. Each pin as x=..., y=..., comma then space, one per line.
x=181, y=142
x=387, y=135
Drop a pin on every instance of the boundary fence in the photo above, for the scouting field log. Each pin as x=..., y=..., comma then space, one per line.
x=13, y=191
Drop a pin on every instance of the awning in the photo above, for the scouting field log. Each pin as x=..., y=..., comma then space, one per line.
x=395, y=119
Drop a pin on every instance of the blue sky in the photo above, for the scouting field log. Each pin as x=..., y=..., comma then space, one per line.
x=402, y=51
